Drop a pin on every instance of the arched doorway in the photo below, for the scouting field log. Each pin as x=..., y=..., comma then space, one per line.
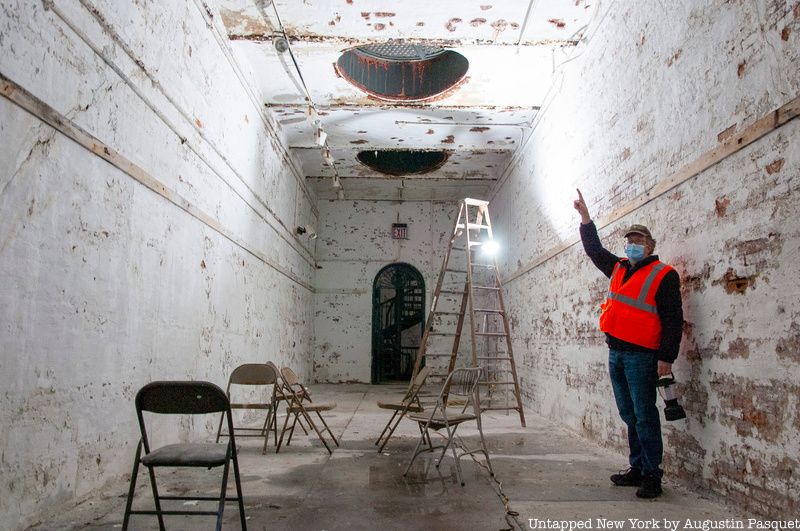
x=398, y=315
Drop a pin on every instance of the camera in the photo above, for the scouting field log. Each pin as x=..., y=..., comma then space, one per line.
x=672, y=409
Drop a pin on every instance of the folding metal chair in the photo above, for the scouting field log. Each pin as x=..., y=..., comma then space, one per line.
x=184, y=398
x=460, y=385
x=300, y=404
x=252, y=374
x=409, y=402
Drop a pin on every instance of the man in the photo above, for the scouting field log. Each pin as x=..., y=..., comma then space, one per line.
x=642, y=318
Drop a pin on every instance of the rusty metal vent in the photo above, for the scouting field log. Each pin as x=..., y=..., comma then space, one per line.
x=400, y=51
x=402, y=162
x=398, y=71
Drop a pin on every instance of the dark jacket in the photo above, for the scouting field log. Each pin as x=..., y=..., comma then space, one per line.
x=668, y=296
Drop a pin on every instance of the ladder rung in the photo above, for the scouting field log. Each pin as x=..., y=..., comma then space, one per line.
x=438, y=355
x=487, y=310
x=446, y=313
x=473, y=226
x=443, y=334
x=476, y=202
x=452, y=292
x=497, y=383
x=458, y=249
x=499, y=408
x=456, y=271
x=492, y=334
x=489, y=266
x=493, y=288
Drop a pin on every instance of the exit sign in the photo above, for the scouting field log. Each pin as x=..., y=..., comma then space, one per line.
x=400, y=231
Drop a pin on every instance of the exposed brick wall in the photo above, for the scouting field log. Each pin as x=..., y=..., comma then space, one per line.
x=652, y=89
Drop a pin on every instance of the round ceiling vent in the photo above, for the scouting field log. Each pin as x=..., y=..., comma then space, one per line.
x=399, y=71
x=402, y=162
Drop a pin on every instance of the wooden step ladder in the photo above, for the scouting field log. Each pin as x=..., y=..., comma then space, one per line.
x=470, y=274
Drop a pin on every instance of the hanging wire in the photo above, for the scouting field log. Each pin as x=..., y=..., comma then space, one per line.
x=314, y=115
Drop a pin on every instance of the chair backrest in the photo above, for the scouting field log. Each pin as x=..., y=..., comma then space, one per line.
x=254, y=374
x=289, y=376
x=181, y=397
x=462, y=382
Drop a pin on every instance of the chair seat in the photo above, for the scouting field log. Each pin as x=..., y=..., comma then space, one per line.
x=399, y=406
x=187, y=454
x=438, y=421
x=313, y=406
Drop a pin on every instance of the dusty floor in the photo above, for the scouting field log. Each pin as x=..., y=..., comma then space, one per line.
x=545, y=472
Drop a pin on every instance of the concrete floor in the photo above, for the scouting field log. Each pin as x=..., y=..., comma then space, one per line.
x=544, y=471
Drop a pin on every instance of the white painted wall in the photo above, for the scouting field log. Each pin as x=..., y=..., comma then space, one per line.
x=107, y=285
x=655, y=86
x=354, y=244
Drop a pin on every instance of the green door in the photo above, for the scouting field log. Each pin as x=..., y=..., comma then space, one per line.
x=398, y=315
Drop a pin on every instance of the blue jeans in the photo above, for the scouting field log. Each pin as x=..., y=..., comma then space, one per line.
x=633, y=377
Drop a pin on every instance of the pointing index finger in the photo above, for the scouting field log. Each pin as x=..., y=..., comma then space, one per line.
x=580, y=196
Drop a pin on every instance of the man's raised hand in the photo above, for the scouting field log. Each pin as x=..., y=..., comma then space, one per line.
x=580, y=205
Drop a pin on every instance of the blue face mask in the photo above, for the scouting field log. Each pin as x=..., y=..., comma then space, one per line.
x=634, y=252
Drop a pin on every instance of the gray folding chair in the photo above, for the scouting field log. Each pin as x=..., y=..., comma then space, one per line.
x=460, y=386
x=409, y=403
x=184, y=398
x=254, y=374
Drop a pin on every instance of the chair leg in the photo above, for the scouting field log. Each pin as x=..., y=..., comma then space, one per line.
x=265, y=430
x=283, y=432
x=385, y=428
x=416, y=449
x=319, y=433
x=291, y=430
x=459, y=473
x=328, y=428
x=237, y=479
x=223, y=490
x=446, y=446
x=156, y=498
x=485, y=451
x=274, y=422
x=135, y=472
x=391, y=431
x=219, y=428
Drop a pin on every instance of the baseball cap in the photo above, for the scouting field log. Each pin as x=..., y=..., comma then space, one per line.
x=638, y=229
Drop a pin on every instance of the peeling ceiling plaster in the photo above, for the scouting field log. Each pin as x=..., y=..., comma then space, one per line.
x=481, y=123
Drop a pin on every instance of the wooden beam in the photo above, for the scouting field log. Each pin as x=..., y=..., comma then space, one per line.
x=36, y=107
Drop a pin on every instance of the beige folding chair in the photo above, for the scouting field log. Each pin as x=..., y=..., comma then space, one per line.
x=409, y=402
x=252, y=374
x=299, y=404
x=460, y=385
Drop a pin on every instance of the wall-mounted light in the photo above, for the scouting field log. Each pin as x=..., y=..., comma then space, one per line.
x=311, y=114
x=327, y=156
x=320, y=136
x=308, y=229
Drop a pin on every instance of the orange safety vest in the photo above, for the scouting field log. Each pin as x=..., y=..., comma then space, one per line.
x=629, y=312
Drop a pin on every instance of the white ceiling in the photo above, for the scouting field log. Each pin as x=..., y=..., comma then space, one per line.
x=480, y=124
